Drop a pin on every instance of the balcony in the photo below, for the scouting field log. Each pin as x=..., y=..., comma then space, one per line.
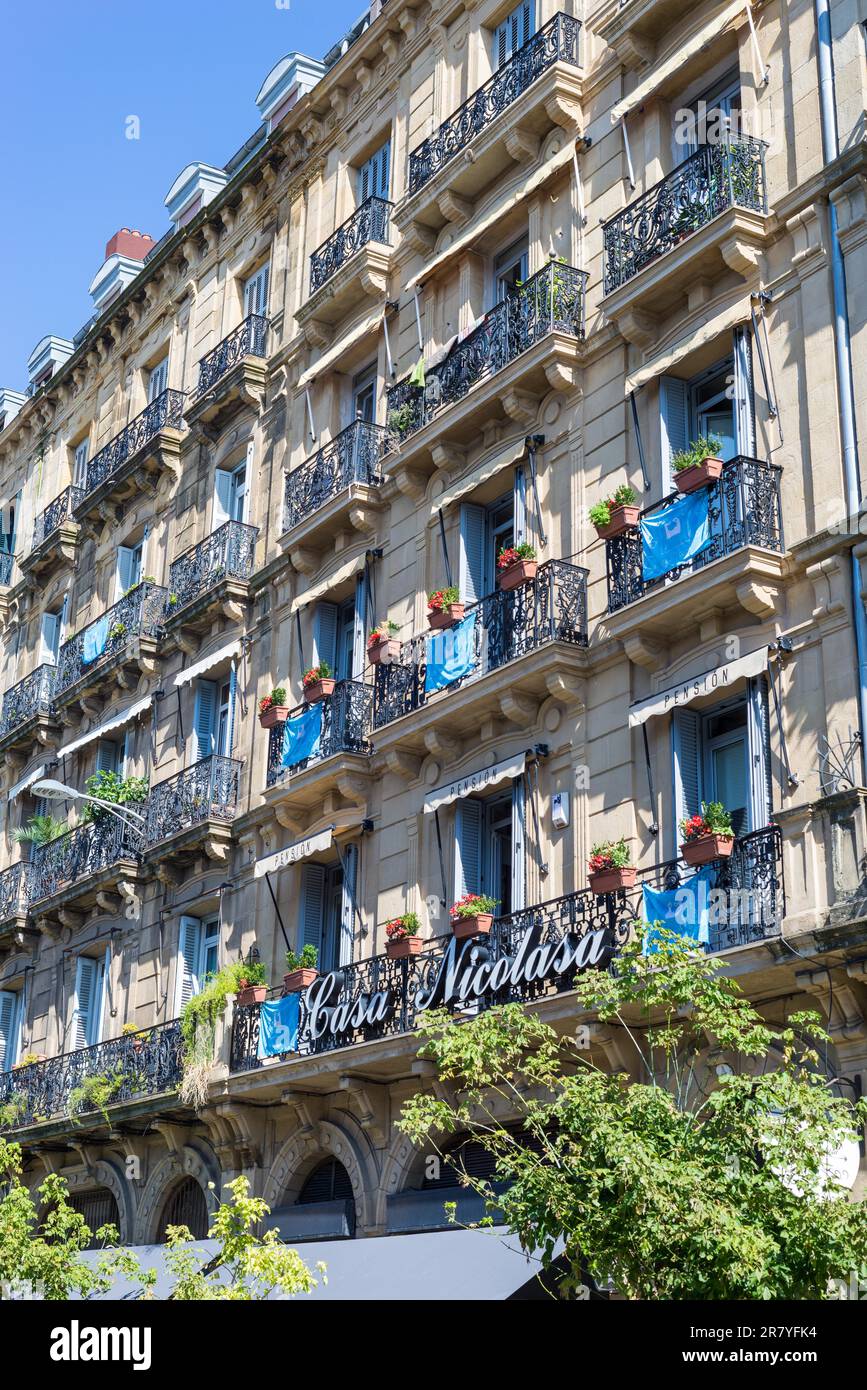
x=13, y=898
x=55, y=534
x=370, y=1003
x=512, y=626
x=192, y=812
x=123, y=640
x=7, y=564
x=538, y=88
x=233, y=375
x=742, y=565
x=26, y=715
x=94, y=864
x=145, y=1065
x=350, y=267
x=211, y=579
x=339, y=484
x=528, y=344
x=709, y=214
x=133, y=461
x=339, y=767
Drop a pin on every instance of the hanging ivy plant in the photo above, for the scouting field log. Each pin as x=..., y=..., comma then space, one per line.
x=199, y=1025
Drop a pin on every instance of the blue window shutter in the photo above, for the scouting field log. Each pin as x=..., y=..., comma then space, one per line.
x=686, y=765
x=468, y=847
x=347, y=911
x=758, y=731
x=744, y=401
x=471, y=571
x=325, y=634
x=373, y=175
x=312, y=906
x=8, y=1029
x=673, y=423
x=204, y=718
x=88, y=1002
x=107, y=756
x=516, y=30
x=189, y=961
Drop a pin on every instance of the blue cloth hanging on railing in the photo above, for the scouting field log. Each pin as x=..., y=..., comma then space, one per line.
x=94, y=640
x=302, y=736
x=450, y=655
x=674, y=534
x=279, y=1020
x=683, y=909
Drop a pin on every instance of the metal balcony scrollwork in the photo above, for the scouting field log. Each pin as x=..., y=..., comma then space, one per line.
x=25, y=700
x=555, y=42
x=140, y=613
x=228, y=553
x=55, y=514
x=743, y=509
x=14, y=891
x=716, y=177
x=345, y=720
x=79, y=854
x=165, y=412
x=353, y=456
x=206, y=791
x=247, y=340
x=7, y=560
x=369, y=222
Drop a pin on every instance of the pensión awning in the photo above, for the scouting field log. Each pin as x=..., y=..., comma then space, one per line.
x=292, y=854
x=676, y=696
x=475, y=782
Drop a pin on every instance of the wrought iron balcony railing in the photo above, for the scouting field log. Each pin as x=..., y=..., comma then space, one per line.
x=13, y=891
x=140, y=613
x=228, y=553
x=713, y=179
x=743, y=509
x=147, y=1063
x=206, y=791
x=25, y=700
x=7, y=560
x=165, y=412
x=81, y=853
x=369, y=222
x=551, y=301
x=345, y=720
x=54, y=515
x=379, y=998
x=509, y=624
x=556, y=42
x=247, y=340
x=351, y=457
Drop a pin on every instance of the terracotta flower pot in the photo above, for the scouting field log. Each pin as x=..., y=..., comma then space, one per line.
x=297, y=980
x=319, y=690
x=253, y=994
x=446, y=617
x=385, y=652
x=515, y=575
x=621, y=519
x=465, y=927
x=275, y=714
x=610, y=880
x=699, y=475
x=403, y=946
x=706, y=848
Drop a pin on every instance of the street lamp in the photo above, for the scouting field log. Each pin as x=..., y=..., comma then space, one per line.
x=51, y=790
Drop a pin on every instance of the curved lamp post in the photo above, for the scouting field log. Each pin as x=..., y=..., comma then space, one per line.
x=51, y=790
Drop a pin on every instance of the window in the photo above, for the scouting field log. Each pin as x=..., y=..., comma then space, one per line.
x=364, y=395
x=212, y=719
x=484, y=531
x=339, y=634
x=723, y=754
x=489, y=848
x=516, y=30
x=79, y=469
x=198, y=958
x=186, y=1207
x=717, y=402
x=158, y=379
x=10, y=514
x=109, y=756
x=87, y=1008
x=713, y=114
x=99, y=1208
x=256, y=292
x=511, y=268
x=372, y=178
x=10, y=1019
x=129, y=568
x=231, y=495
x=52, y=624
x=326, y=910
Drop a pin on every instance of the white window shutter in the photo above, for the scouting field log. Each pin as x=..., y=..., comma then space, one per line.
x=744, y=399
x=471, y=567
x=189, y=961
x=359, y=647
x=158, y=380
x=50, y=638
x=312, y=906
x=519, y=844
x=8, y=1029
x=204, y=717
x=222, y=497
x=686, y=766
x=520, y=504
x=759, y=742
x=128, y=568
x=468, y=847
x=347, y=911
x=256, y=292
x=325, y=634
x=673, y=423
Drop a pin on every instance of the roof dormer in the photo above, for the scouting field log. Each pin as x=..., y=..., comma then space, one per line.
x=287, y=82
x=124, y=257
x=45, y=359
x=10, y=404
x=195, y=186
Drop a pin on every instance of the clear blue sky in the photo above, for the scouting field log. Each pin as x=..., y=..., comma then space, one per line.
x=72, y=72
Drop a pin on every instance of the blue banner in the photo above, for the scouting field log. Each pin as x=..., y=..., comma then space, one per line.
x=450, y=655
x=94, y=640
x=674, y=534
x=278, y=1026
x=683, y=909
x=302, y=735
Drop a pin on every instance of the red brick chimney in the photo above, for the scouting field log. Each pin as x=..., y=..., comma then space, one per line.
x=130, y=243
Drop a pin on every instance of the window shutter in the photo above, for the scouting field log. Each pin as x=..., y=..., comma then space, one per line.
x=256, y=292
x=471, y=571
x=222, y=497
x=312, y=905
x=468, y=847
x=189, y=961
x=63, y=615
x=520, y=505
x=158, y=379
x=359, y=649
x=107, y=756
x=128, y=567
x=50, y=638
x=686, y=772
x=8, y=1029
x=347, y=911
x=325, y=634
x=674, y=424
x=758, y=731
x=373, y=175
x=513, y=33
x=744, y=401
x=519, y=844
x=88, y=1000
x=203, y=718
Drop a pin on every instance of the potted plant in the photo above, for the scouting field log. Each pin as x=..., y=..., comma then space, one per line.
x=252, y=986
x=400, y=420
x=516, y=565
x=138, y=1035
x=29, y=1060
x=318, y=682
x=472, y=915
x=609, y=867
x=301, y=969
x=618, y=513
x=402, y=938
x=444, y=607
x=273, y=708
x=383, y=647
x=116, y=631
x=707, y=836
x=698, y=465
